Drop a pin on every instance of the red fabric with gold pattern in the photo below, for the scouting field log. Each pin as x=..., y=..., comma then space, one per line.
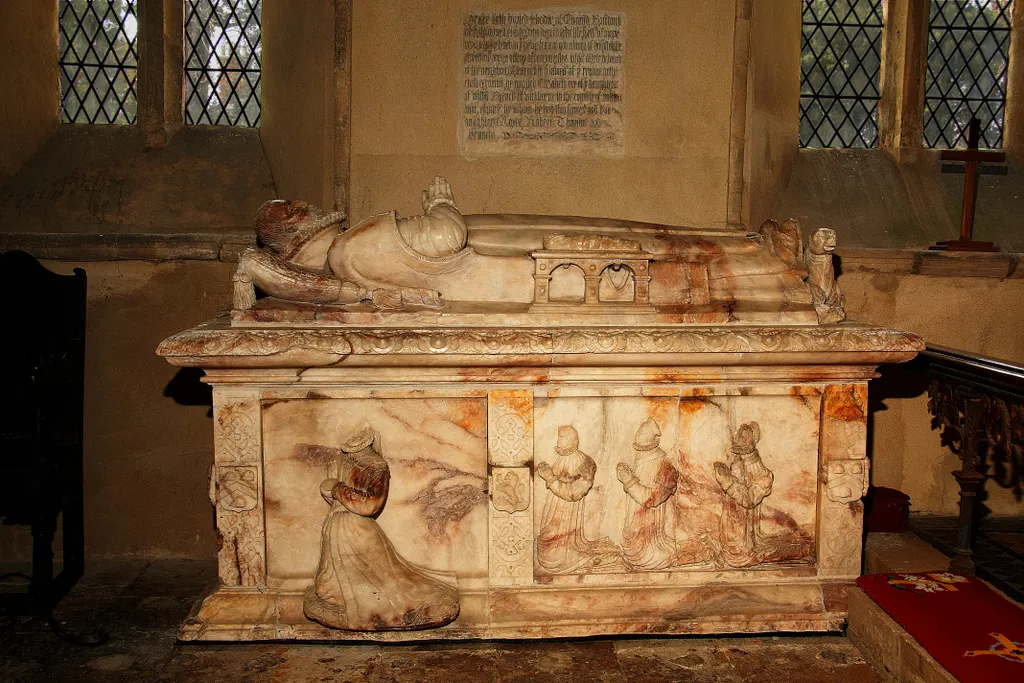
x=972, y=631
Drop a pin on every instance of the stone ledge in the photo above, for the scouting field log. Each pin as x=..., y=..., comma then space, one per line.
x=929, y=262
x=901, y=552
x=131, y=246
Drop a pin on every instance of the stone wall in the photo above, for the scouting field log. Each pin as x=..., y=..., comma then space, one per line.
x=677, y=91
x=298, y=81
x=979, y=314
x=148, y=430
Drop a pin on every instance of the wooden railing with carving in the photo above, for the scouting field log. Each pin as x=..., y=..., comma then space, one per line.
x=978, y=404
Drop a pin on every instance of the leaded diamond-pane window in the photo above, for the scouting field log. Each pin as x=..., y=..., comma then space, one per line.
x=222, y=62
x=98, y=61
x=968, y=54
x=840, y=63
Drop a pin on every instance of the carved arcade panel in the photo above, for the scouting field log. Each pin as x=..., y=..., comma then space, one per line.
x=421, y=499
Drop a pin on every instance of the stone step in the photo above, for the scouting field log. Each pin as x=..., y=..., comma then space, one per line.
x=891, y=651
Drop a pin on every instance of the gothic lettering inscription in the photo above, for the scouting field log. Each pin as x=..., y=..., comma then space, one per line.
x=542, y=82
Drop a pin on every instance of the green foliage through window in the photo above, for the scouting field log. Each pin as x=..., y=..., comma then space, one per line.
x=98, y=61
x=222, y=62
x=968, y=56
x=840, y=63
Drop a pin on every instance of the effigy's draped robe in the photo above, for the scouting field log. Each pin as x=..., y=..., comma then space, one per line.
x=362, y=583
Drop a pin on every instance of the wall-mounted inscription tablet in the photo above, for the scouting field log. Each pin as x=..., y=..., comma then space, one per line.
x=542, y=82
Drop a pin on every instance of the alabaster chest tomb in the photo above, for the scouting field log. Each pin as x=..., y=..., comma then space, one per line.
x=452, y=426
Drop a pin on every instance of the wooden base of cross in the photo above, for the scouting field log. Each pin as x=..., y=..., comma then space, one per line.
x=971, y=157
x=963, y=245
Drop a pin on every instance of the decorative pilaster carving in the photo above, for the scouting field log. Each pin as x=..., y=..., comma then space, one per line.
x=510, y=428
x=510, y=455
x=237, y=488
x=843, y=478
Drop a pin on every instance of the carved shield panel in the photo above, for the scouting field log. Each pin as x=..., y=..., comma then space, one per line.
x=510, y=491
x=847, y=479
x=237, y=488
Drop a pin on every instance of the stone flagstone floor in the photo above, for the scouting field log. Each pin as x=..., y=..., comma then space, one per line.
x=141, y=602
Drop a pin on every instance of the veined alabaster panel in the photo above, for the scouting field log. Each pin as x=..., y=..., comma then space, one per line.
x=628, y=485
x=436, y=511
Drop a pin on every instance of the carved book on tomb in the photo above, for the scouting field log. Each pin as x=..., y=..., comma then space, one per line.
x=508, y=426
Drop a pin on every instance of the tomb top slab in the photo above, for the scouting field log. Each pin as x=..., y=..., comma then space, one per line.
x=218, y=344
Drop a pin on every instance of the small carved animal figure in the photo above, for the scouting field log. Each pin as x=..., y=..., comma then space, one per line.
x=825, y=293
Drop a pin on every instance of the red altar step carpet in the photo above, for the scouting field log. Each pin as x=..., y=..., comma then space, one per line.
x=972, y=631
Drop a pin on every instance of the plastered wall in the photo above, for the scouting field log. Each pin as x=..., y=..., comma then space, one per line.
x=772, y=113
x=29, y=81
x=297, y=81
x=980, y=315
x=406, y=63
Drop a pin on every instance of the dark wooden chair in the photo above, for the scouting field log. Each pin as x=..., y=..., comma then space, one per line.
x=43, y=347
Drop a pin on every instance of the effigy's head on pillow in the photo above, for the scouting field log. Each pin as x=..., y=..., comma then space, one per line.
x=286, y=225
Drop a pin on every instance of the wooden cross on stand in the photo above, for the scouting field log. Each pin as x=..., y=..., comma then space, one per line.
x=971, y=157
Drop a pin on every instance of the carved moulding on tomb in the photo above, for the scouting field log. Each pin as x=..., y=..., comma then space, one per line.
x=199, y=346
x=511, y=527
x=510, y=490
x=510, y=427
x=511, y=549
x=510, y=553
x=612, y=275
x=847, y=479
x=236, y=488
